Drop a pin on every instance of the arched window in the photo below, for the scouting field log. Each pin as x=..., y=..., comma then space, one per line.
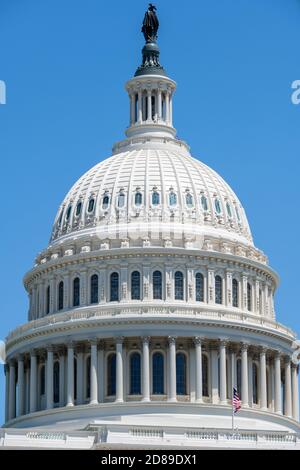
x=111, y=375
x=218, y=290
x=158, y=374
x=155, y=198
x=78, y=208
x=178, y=285
x=249, y=297
x=237, y=213
x=48, y=300
x=199, y=287
x=218, y=206
x=60, y=295
x=172, y=199
x=88, y=377
x=60, y=218
x=255, y=383
x=229, y=211
x=68, y=213
x=105, y=202
x=239, y=376
x=138, y=199
x=94, y=289
x=235, y=293
x=204, y=203
x=135, y=374
x=189, y=200
x=114, y=287
x=135, y=285
x=157, y=285
x=180, y=374
x=56, y=382
x=121, y=200
x=76, y=292
x=91, y=205
x=43, y=380
x=205, y=375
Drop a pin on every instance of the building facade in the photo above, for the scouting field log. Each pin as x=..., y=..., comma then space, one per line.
x=150, y=303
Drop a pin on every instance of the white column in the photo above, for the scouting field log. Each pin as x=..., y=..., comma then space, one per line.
x=132, y=109
x=149, y=106
x=295, y=392
x=250, y=380
x=21, y=386
x=49, y=392
x=245, y=383
x=245, y=294
x=199, y=387
x=6, y=368
x=52, y=295
x=211, y=286
x=167, y=108
x=119, y=371
x=94, y=378
x=159, y=105
x=277, y=370
x=67, y=291
x=101, y=372
x=79, y=376
x=124, y=283
x=70, y=372
x=172, y=368
x=83, y=288
x=61, y=378
x=266, y=295
x=288, y=389
x=229, y=289
x=140, y=109
x=257, y=302
x=33, y=382
x=233, y=371
x=263, y=380
x=223, y=380
x=171, y=110
x=12, y=391
x=146, y=369
x=214, y=376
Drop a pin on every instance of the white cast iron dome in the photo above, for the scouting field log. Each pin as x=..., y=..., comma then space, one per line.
x=150, y=305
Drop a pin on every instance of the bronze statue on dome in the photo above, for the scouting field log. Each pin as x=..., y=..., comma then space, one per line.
x=150, y=24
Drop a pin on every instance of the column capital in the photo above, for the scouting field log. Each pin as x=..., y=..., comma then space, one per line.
x=277, y=354
x=119, y=339
x=20, y=357
x=146, y=339
x=263, y=350
x=71, y=344
x=11, y=362
x=287, y=359
x=172, y=339
x=223, y=342
x=93, y=341
x=245, y=346
x=33, y=352
x=198, y=340
x=50, y=348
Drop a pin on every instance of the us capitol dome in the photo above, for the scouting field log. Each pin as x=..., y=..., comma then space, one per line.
x=150, y=304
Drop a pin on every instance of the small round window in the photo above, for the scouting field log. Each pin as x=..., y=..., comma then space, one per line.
x=218, y=206
x=229, y=211
x=78, y=208
x=121, y=200
x=91, y=205
x=155, y=198
x=68, y=213
x=189, y=200
x=105, y=202
x=204, y=203
x=172, y=199
x=138, y=199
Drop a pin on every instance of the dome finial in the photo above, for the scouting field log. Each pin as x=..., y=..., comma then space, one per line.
x=150, y=65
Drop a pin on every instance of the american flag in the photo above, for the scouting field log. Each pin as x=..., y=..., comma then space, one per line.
x=236, y=401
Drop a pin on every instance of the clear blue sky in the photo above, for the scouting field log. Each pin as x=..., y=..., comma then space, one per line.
x=65, y=64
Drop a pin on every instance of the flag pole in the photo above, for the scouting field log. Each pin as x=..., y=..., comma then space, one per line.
x=232, y=387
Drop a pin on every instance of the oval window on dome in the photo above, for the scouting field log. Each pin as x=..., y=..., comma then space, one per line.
x=229, y=211
x=189, y=200
x=91, y=205
x=138, y=199
x=121, y=200
x=155, y=198
x=105, y=202
x=204, y=203
x=78, y=208
x=68, y=213
x=172, y=199
x=218, y=206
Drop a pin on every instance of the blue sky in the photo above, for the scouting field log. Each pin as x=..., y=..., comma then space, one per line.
x=65, y=64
